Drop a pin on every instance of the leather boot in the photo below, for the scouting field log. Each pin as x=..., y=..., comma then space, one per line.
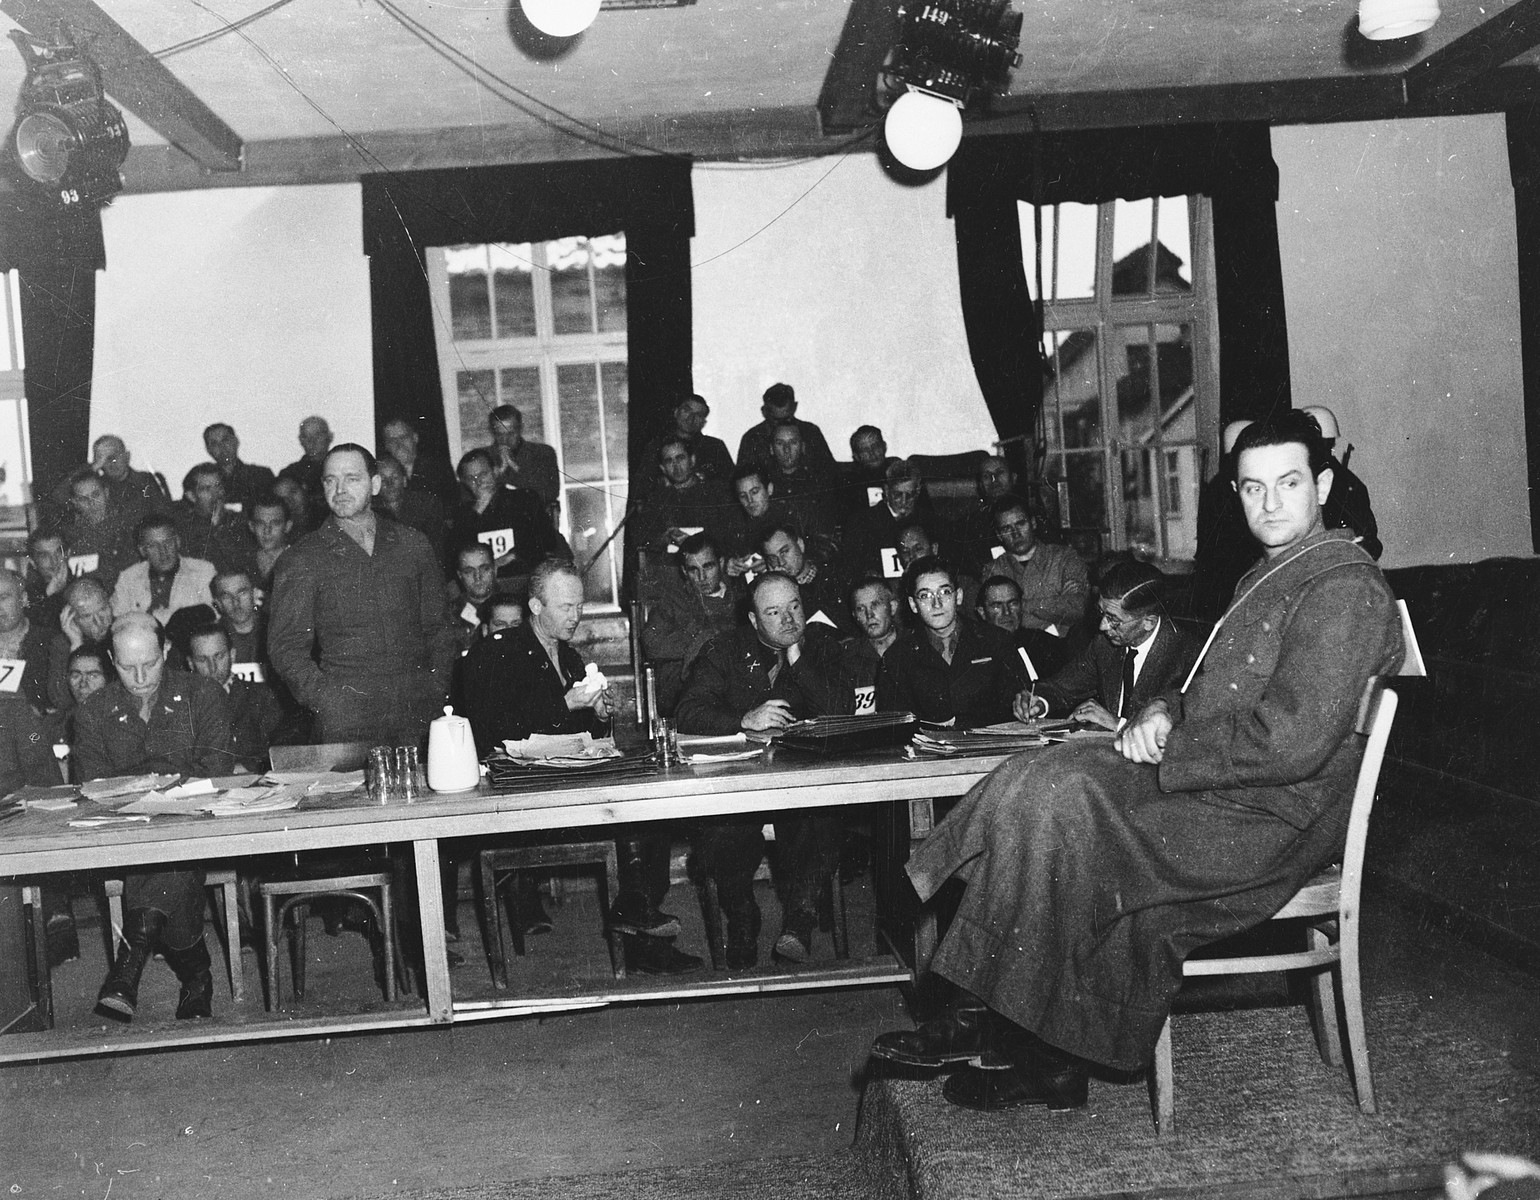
x=633, y=911
x=194, y=972
x=120, y=992
x=960, y=1034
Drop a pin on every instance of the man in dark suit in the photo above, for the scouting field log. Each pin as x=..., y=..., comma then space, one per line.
x=1140, y=654
x=1093, y=871
x=712, y=459
x=760, y=679
x=254, y=711
x=529, y=680
x=245, y=483
x=780, y=406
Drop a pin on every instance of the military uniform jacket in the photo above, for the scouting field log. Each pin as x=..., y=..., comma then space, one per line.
x=511, y=689
x=732, y=676
x=975, y=688
x=1268, y=722
x=1096, y=673
x=188, y=731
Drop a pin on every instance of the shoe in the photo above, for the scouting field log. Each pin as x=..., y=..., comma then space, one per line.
x=194, y=972
x=658, y=956
x=120, y=992
x=1018, y=1086
x=632, y=914
x=793, y=948
x=958, y=1036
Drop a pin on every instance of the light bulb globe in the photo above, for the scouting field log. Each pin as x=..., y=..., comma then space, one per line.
x=560, y=18
x=923, y=132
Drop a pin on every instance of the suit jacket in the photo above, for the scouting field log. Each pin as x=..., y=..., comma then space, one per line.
x=680, y=621
x=754, y=446
x=534, y=467
x=520, y=511
x=511, y=690
x=246, y=484
x=188, y=731
x=732, y=676
x=1096, y=673
x=975, y=688
x=1268, y=722
x=254, y=715
x=189, y=586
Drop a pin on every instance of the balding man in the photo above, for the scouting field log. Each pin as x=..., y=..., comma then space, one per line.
x=315, y=439
x=424, y=473
x=243, y=482
x=134, y=494
x=165, y=582
x=760, y=678
x=23, y=647
x=357, y=627
x=154, y=719
x=84, y=623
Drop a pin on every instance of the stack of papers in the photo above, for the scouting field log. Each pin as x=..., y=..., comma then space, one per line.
x=1006, y=738
x=734, y=747
x=239, y=802
x=125, y=785
x=317, y=783
x=562, y=749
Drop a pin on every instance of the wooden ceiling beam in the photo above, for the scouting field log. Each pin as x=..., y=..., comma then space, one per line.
x=1470, y=57
x=136, y=79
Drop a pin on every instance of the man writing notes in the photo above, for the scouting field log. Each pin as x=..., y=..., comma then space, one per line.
x=760, y=679
x=1139, y=654
x=1093, y=871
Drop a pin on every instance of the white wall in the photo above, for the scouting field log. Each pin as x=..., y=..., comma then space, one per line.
x=1401, y=282
x=246, y=305
x=829, y=277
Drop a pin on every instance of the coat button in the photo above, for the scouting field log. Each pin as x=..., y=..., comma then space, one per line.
x=1251, y=658
x=1235, y=687
x=1267, y=627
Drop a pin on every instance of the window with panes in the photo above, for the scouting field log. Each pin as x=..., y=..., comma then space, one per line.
x=542, y=326
x=1130, y=386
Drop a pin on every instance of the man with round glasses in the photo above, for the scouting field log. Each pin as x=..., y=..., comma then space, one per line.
x=948, y=670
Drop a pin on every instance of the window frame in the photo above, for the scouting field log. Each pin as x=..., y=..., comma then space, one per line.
x=1105, y=316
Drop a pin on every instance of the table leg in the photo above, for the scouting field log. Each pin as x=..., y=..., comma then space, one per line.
x=430, y=914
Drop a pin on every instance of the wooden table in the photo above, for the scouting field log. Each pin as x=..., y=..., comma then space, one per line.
x=39, y=843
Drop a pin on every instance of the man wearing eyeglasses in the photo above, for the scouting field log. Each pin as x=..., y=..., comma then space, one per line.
x=949, y=670
x=1141, y=652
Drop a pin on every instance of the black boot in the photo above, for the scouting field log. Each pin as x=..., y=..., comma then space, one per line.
x=743, y=925
x=120, y=993
x=633, y=910
x=658, y=956
x=194, y=973
x=959, y=1034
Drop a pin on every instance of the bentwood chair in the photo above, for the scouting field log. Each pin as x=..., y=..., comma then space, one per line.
x=1328, y=908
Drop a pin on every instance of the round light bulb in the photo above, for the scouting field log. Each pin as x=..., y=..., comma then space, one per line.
x=923, y=132
x=1385, y=20
x=560, y=18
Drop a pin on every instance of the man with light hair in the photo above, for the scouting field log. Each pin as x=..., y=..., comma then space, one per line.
x=315, y=439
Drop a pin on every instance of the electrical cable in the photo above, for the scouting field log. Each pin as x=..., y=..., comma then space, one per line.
x=204, y=39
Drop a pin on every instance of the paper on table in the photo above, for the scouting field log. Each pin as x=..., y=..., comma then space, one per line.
x=124, y=785
x=543, y=747
x=93, y=822
x=193, y=787
x=705, y=742
x=318, y=783
x=46, y=799
x=703, y=758
x=239, y=801
x=159, y=804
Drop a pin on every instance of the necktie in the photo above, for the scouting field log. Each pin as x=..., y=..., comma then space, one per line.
x=1126, y=703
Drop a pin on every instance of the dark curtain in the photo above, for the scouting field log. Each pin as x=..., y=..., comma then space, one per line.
x=57, y=255
x=1524, y=165
x=1232, y=164
x=648, y=199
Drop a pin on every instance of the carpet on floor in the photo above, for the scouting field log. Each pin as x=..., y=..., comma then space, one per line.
x=1258, y=1115
x=807, y=1177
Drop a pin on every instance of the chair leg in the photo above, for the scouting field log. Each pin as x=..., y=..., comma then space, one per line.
x=1162, y=1084
x=515, y=917
x=1353, y=1013
x=37, y=941
x=231, y=918
x=492, y=922
x=271, y=933
x=1323, y=1004
x=839, y=926
x=114, y=890
x=387, y=926
x=611, y=886
x=300, y=948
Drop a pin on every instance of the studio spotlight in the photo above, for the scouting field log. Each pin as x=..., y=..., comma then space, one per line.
x=949, y=53
x=1385, y=20
x=68, y=139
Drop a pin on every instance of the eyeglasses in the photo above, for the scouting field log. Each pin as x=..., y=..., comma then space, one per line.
x=936, y=596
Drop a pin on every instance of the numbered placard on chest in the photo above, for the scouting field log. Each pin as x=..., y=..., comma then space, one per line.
x=11, y=671
x=499, y=541
x=84, y=564
x=251, y=672
x=866, y=700
x=891, y=567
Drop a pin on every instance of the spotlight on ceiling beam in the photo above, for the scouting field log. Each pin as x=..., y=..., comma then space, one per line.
x=1385, y=20
x=949, y=54
x=561, y=18
x=68, y=139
